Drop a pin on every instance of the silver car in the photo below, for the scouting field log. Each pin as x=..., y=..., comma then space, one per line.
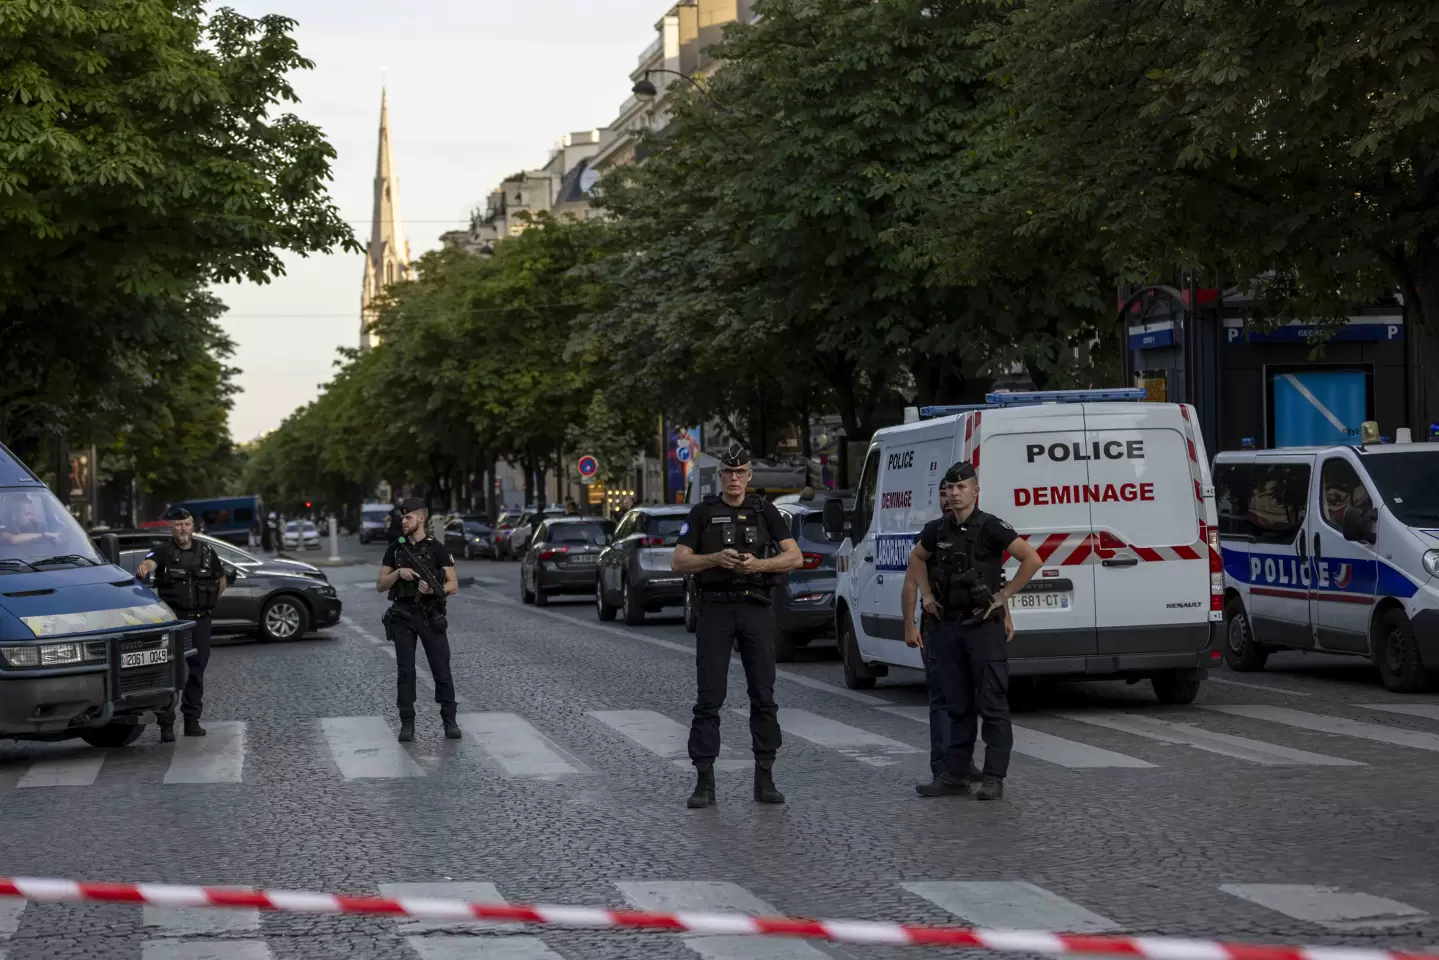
x=634, y=571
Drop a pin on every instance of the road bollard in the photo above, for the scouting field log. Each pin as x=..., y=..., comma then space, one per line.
x=334, y=540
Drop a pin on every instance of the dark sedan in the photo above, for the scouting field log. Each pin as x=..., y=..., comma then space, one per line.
x=470, y=537
x=804, y=602
x=562, y=557
x=282, y=599
x=635, y=575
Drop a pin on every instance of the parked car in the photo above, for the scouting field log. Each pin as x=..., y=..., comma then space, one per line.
x=295, y=531
x=504, y=528
x=563, y=557
x=373, y=518
x=470, y=537
x=524, y=533
x=283, y=599
x=804, y=602
x=634, y=570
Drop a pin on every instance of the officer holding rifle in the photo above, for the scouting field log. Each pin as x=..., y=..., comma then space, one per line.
x=411, y=574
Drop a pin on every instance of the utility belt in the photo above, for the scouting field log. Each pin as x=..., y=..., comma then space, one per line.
x=431, y=615
x=755, y=595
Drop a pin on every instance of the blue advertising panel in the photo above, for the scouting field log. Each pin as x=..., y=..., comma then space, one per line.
x=1318, y=408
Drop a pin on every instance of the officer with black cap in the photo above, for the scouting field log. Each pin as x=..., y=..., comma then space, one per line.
x=417, y=613
x=736, y=545
x=189, y=577
x=958, y=565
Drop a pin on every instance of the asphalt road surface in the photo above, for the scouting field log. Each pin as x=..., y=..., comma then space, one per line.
x=1294, y=805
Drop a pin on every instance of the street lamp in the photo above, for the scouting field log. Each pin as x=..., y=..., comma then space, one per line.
x=644, y=88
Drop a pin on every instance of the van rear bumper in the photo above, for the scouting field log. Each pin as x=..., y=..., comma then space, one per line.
x=1146, y=651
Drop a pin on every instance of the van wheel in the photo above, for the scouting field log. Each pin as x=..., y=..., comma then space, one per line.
x=1177, y=686
x=1396, y=654
x=785, y=644
x=113, y=735
x=692, y=618
x=856, y=676
x=1240, y=651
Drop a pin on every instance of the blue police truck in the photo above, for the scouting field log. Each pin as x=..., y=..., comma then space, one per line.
x=225, y=518
x=85, y=649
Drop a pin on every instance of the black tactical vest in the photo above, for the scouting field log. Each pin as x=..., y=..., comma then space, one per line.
x=188, y=580
x=739, y=528
x=953, y=555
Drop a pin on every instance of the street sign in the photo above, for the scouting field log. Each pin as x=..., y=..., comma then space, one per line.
x=588, y=466
x=587, y=480
x=682, y=454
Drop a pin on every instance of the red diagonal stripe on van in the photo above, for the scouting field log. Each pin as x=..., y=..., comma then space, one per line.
x=1148, y=553
x=1051, y=543
x=1187, y=553
x=1081, y=553
x=1193, y=453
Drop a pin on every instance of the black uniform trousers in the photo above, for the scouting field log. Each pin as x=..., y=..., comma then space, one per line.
x=971, y=664
x=722, y=625
x=405, y=625
x=192, y=702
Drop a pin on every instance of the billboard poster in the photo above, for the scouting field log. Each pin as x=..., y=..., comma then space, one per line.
x=682, y=450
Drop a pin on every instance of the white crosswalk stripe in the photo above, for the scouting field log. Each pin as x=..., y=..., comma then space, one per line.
x=1342, y=726
x=365, y=748
x=438, y=939
x=866, y=747
x=217, y=757
x=515, y=745
x=663, y=737
x=717, y=896
x=1041, y=746
x=1329, y=907
x=10, y=911
x=1011, y=905
x=200, y=921
x=205, y=950
x=1429, y=711
x=1240, y=748
x=77, y=770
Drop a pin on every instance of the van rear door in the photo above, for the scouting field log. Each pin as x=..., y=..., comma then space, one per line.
x=1029, y=477
x=1146, y=492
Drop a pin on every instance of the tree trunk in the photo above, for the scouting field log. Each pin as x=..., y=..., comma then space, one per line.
x=530, y=464
x=492, y=507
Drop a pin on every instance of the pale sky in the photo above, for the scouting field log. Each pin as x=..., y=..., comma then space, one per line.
x=478, y=89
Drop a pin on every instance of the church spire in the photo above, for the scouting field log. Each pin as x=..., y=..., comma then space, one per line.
x=388, y=255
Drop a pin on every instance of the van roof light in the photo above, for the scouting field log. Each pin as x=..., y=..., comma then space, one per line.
x=1029, y=397
x=926, y=413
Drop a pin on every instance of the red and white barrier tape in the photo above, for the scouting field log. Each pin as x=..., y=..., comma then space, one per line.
x=850, y=931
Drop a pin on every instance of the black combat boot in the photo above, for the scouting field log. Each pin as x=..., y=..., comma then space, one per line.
x=976, y=775
x=764, y=789
x=193, y=728
x=452, y=729
x=992, y=789
x=167, y=733
x=704, y=795
x=407, y=731
x=944, y=785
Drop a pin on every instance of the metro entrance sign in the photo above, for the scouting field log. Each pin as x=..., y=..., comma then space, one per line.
x=588, y=466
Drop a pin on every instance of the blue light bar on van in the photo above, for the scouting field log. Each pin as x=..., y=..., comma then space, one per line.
x=926, y=413
x=1064, y=396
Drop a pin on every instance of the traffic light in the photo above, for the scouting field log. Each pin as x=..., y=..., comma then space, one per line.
x=307, y=504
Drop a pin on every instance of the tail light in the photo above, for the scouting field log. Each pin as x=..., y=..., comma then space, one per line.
x=1108, y=541
x=1216, y=568
x=549, y=552
x=812, y=561
x=652, y=541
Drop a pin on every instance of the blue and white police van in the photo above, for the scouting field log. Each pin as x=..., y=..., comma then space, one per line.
x=1333, y=549
x=86, y=650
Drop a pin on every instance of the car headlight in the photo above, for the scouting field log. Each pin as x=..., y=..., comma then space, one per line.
x=1431, y=562
x=45, y=655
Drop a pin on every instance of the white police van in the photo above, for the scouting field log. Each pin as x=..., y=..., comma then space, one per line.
x=1334, y=550
x=1114, y=495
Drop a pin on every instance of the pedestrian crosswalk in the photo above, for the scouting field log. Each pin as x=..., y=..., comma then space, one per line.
x=198, y=933
x=1208, y=738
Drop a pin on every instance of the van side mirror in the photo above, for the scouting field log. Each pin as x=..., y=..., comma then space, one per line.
x=832, y=517
x=1359, y=525
x=110, y=548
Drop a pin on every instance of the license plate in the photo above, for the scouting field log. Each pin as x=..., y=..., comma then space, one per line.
x=583, y=558
x=145, y=658
x=1052, y=600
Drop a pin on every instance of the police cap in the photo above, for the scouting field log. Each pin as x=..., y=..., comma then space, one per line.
x=178, y=513
x=735, y=457
x=412, y=504
x=961, y=471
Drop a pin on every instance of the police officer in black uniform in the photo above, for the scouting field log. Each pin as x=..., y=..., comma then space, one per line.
x=189, y=577
x=415, y=614
x=736, y=545
x=958, y=566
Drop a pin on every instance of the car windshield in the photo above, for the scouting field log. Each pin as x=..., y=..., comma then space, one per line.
x=579, y=532
x=309, y=527
x=376, y=515
x=1406, y=482
x=37, y=533
x=292, y=527
x=477, y=526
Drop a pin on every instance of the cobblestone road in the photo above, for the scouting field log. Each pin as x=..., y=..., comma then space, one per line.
x=1297, y=804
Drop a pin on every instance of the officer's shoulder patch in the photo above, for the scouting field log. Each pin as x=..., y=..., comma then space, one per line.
x=1004, y=524
x=684, y=528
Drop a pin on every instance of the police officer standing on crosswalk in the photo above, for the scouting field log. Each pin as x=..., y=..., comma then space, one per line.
x=189, y=577
x=726, y=543
x=958, y=565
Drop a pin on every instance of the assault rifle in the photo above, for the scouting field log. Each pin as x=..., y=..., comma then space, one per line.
x=434, y=609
